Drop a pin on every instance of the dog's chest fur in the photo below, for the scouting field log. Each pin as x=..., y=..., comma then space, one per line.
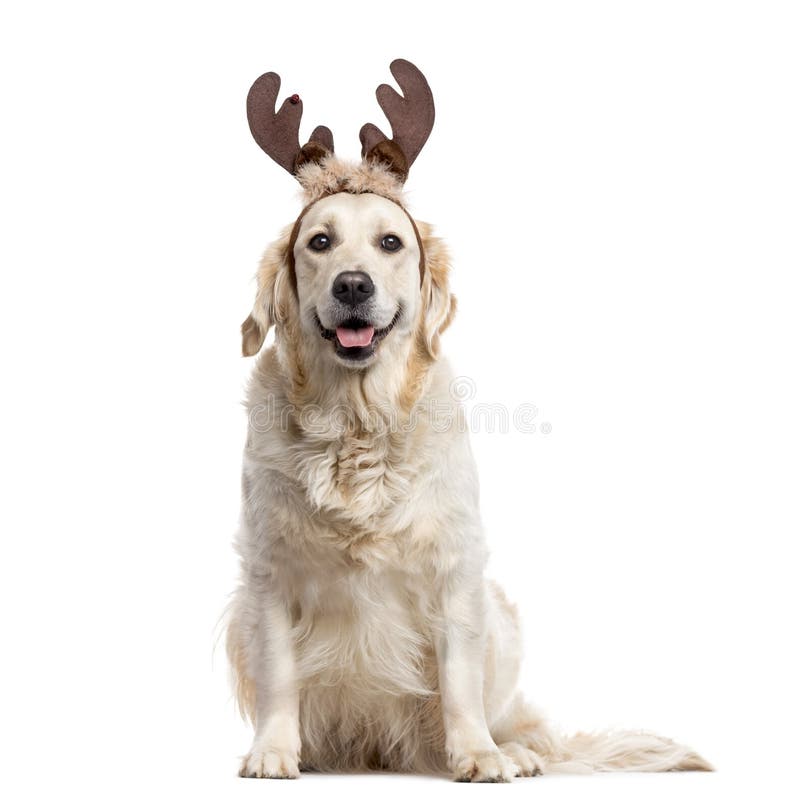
x=366, y=495
x=348, y=502
x=363, y=482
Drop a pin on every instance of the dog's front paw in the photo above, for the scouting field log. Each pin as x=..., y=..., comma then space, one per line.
x=488, y=766
x=277, y=764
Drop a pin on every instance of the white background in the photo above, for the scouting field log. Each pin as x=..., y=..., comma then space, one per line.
x=619, y=184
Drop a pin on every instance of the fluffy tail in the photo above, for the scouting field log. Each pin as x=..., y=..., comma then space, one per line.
x=584, y=753
x=622, y=751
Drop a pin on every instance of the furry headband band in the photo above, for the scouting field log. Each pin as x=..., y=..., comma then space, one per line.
x=385, y=161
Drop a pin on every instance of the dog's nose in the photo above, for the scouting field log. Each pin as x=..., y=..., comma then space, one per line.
x=353, y=287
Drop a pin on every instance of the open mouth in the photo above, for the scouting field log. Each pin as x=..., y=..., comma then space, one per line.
x=355, y=339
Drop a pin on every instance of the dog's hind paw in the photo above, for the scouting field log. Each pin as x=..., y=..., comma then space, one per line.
x=529, y=763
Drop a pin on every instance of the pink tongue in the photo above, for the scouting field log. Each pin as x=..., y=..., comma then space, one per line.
x=352, y=337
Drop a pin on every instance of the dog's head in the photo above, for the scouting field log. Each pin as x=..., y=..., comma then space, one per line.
x=357, y=259
x=356, y=283
x=355, y=279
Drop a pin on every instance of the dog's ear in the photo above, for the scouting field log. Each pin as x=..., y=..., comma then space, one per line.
x=438, y=304
x=270, y=305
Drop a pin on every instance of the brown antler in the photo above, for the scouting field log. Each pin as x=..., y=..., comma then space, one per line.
x=411, y=116
x=278, y=133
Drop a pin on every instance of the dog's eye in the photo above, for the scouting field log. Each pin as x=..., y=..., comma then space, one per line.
x=391, y=243
x=320, y=242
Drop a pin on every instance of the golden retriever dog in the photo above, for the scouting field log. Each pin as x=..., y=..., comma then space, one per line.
x=364, y=633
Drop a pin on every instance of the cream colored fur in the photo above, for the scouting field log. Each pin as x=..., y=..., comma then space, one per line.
x=364, y=633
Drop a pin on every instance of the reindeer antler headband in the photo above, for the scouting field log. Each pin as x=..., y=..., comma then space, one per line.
x=385, y=161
